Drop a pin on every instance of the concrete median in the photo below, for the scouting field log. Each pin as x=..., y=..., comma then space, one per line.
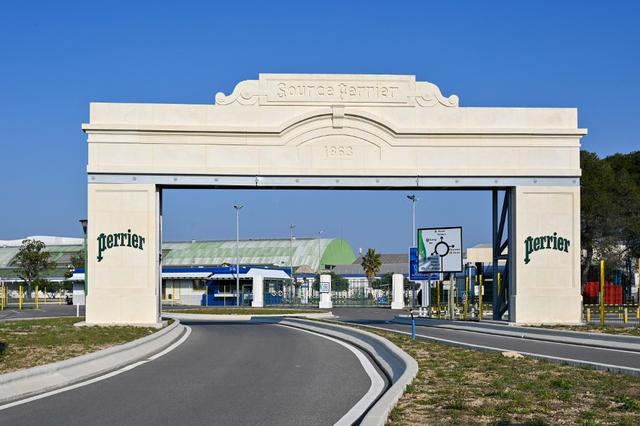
x=32, y=381
x=596, y=340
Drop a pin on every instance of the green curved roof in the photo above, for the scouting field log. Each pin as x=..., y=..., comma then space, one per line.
x=312, y=252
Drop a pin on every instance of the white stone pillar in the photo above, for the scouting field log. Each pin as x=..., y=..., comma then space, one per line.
x=325, y=292
x=258, y=292
x=123, y=261
x=547, y=287
x=397, y=301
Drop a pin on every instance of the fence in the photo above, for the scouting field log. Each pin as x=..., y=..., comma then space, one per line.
x=619, y=285
x=18, y=295
x=362, y=297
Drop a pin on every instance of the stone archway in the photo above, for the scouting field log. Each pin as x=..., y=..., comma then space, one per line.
x=333, y=131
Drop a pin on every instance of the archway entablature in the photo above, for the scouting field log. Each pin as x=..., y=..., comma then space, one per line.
x=389, y=125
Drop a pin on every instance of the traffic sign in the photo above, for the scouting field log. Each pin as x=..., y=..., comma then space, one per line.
x=325, y=284
x=440, y=249
x=414, y=275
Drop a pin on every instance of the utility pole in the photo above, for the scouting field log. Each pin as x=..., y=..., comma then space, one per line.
x=413, y=199
x=319, y=253
x=238, y=207
x=291, y=228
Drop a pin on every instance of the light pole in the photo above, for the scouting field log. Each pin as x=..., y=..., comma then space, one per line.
x=84, y=223
x=291, y=228
x=238, y=207
x=319, y=253
x=413, y=199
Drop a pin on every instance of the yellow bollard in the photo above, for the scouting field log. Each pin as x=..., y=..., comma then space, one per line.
x=2, y=297
x=20, y=298
x=481, y=292
x=438, y=297
x=638, y=312
x=588, y=315
x=626, y=316
x=36, y=297
x=602, y=293
x=466, y=298
x=499, y=282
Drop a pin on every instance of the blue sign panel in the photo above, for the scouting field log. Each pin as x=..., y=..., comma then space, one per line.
x=414, y=275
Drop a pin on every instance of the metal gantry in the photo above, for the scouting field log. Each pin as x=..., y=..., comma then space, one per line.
x=502, y=249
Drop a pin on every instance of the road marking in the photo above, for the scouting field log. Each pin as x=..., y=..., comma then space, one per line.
x=377, y=383
x=526, y=337
x=531, y=354
x=100, y=378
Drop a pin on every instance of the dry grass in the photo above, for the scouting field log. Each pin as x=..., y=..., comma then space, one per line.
x=462, y=386
x=592, y=328
x=29, y=343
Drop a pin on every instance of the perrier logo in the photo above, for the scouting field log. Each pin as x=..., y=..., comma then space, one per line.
x=552, y=242
x=119, y=239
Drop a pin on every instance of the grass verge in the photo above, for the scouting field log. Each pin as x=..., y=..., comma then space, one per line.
x=28, y=343
x=463, y=386
x=243, y=311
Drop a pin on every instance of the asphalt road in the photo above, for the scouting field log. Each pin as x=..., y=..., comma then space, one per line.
x=223, y=374
x=44, y=310
x=381, y=317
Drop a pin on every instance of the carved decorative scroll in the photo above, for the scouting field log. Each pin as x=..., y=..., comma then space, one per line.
x=245, y=93
x=428, y=95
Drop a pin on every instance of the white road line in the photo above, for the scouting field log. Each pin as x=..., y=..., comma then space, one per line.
x=377, y=383
x=521, y=338
x=99, y=378
x=173, y=346
x=532, y=354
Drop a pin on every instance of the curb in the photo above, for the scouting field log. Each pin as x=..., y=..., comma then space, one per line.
x=233, y=317
x=595, y=343
x=44, y=378
x=399, y=367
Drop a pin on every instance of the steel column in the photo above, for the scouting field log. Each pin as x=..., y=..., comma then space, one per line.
x=502, y=250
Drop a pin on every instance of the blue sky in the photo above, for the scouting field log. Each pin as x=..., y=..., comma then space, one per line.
x=56, y=57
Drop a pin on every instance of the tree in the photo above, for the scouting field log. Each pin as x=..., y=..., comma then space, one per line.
x=53, y=288
x=32, y=261
x=610, y=209
x=371, y=264
x=77, y=262
x=386, y=281
x=627, y=198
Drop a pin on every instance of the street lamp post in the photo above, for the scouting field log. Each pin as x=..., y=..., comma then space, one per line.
x=319, y=253
x=291, y=228
x=84, y=223
x=238, y=207
x=319, y=261
x=413, y=199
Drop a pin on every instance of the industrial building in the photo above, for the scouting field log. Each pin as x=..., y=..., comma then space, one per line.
x=203, y=272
